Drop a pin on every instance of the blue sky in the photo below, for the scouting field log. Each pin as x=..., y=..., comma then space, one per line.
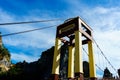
x=102, y=15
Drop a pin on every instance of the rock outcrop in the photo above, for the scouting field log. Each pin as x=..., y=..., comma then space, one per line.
x=5, y=62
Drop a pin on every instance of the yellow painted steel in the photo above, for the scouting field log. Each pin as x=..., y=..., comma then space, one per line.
x=91, y=60
x=78, y=52
x=71, y=62
x=75, y=63
x=56, y=59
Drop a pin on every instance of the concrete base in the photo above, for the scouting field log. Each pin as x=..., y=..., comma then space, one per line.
x=79, y=76
x=71, y=79
x=54, y=77
x=93, y=78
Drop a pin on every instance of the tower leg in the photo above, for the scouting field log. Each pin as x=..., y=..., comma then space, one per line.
x=71, y=63
x=56, y=60
x=78, y=55
x=91, y=61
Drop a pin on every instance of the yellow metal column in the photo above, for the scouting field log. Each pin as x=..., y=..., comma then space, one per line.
x=91, y=61
x=56, y=60
x=71, y=62
x=78, y=55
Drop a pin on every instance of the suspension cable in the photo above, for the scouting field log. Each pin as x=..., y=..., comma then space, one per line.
x=99, y=67
x=29, y=22
x=4, y=35
x=104, y=55
x=95, y=64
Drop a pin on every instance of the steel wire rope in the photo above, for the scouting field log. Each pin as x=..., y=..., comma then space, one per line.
x=21, y=32
x=29, y=22
x=104, y=55
x=95, y=64
x=84, y=54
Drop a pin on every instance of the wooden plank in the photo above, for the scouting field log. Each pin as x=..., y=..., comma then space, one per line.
x=86, y=34
x=83, y=23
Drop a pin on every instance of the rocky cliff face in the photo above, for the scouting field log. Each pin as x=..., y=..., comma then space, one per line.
x=4, y=64
x=4, y=58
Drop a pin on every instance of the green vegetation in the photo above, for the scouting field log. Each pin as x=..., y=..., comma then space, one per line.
x=4, y=53
x=41, y=69
x=38, y=70
x=5, y=61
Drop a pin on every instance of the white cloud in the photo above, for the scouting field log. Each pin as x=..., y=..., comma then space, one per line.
x=105, y=24
x=19, y=57
x=38, y=39
x=4, y=17
x=103, y=18
x=108, y=42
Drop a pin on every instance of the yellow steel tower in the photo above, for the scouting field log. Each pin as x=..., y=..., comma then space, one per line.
x=74, y=29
